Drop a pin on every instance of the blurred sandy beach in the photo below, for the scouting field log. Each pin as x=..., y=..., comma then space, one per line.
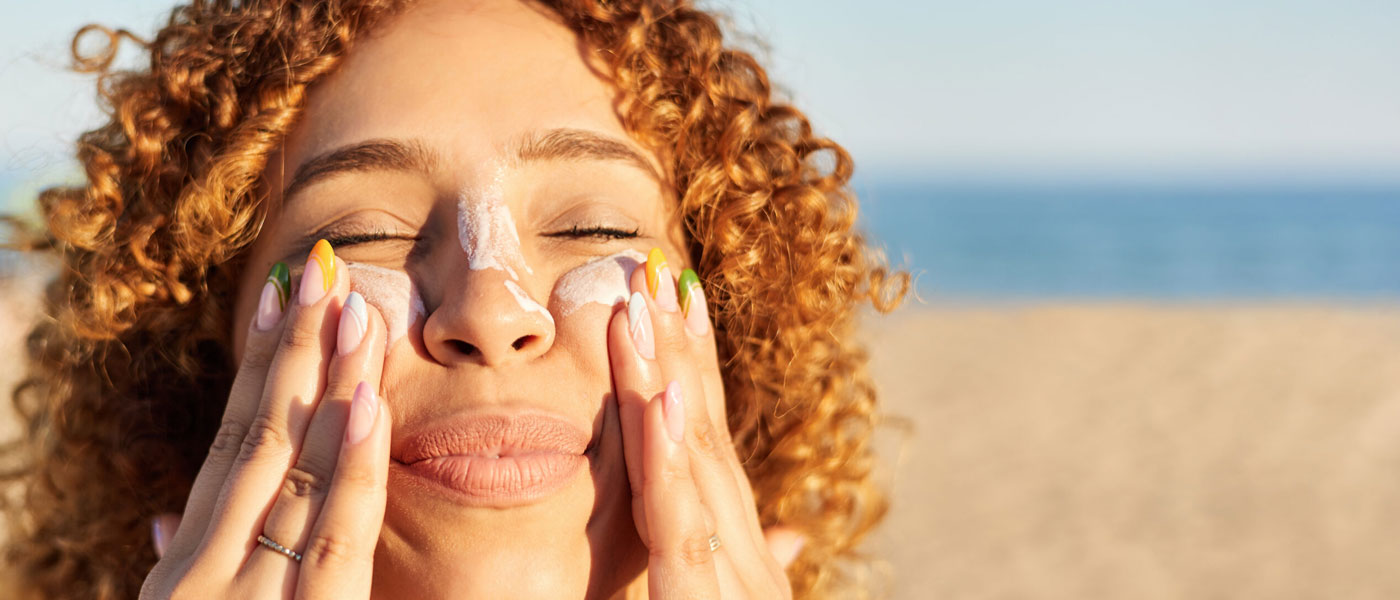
x=1140, y=451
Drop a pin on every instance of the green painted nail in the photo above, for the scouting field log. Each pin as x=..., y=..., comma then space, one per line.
x=281, y=279
x=687, y=282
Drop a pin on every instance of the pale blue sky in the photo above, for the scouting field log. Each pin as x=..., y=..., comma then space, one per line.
x=1253, y=88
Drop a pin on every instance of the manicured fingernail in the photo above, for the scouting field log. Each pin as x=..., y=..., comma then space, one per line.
x=319, y=275
x=363, y=409
x=656, y=262
x=162, y=529
x=673, y=410
x=353, y=324
x=697, y=319
x=274, y=296
x=639, y=326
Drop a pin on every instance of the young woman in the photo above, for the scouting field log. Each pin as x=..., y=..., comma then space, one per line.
x=448, y=299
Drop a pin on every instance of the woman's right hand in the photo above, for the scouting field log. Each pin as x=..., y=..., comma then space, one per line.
x=301, y=455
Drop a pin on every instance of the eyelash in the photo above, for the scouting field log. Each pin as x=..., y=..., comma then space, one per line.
x=595, y=231
x=351, y=239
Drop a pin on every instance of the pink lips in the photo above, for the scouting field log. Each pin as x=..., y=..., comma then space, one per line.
x=495, y=460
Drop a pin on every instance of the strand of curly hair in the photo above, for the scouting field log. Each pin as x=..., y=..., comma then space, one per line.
x=130, y=365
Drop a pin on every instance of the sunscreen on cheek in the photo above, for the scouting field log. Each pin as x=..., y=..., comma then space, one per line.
x=390, y=291
x=600, y=281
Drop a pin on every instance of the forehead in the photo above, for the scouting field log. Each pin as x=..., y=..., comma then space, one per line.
x=463, y=77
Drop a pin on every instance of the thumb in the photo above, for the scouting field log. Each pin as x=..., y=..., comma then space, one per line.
x=785, y=543
x=163, y=528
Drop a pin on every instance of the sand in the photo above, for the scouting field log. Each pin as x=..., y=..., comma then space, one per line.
x=1117, y=451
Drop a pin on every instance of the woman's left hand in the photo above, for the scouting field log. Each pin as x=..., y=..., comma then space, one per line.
x=691, y=500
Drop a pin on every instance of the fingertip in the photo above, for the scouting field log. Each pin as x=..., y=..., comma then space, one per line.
x=784, y=543
x=163, y=528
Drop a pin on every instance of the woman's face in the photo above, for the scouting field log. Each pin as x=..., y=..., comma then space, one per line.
x=472, y=170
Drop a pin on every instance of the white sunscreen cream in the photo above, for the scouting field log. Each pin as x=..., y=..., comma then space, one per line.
x=600, y=281
x=390, y=291
x=487, y=231
x=527, y=303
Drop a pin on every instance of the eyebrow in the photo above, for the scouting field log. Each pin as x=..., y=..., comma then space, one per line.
x=562, y=144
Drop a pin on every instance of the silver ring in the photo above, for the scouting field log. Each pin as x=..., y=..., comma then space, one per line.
x=714, y=542
x=289, y=553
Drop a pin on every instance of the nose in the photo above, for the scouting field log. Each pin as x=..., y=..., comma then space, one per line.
x=486, y=317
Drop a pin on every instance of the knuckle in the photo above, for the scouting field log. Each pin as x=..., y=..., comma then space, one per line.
x=328, y=549
x=266, y=439
x=694, y=550
x=229, y=438
x=706, y=440
x=303, y=483
x=299, y=337
x=340, y=385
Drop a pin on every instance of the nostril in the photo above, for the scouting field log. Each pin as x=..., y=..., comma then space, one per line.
x=520, y=343
x=462, y=347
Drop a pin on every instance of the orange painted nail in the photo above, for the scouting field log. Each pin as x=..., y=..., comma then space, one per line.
x=324, y=255
x=656, y=261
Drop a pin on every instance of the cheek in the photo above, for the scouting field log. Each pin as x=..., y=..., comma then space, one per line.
x=603, y=281
x=393, y=293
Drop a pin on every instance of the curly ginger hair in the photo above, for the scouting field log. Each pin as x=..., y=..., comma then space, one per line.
x=131, y=363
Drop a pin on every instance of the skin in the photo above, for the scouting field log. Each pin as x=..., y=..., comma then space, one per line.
x=465, y=80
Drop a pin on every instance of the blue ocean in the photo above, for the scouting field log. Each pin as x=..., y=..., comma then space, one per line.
x=1189, y=241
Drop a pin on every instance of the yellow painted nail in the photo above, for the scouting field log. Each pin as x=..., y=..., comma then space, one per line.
x=656, y=261
x=324, y=256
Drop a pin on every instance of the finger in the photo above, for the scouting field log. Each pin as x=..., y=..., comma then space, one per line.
x=784, y=543
x=163, y=527
x=359, y=357
x=338, y=561
x=635, y=380
x=259, y=348
x=680, y=562
x=695, y=312
x=720, y=479
x=295, y=382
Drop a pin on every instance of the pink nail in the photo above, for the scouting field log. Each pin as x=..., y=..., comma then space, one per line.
x=269, y=311
x=697, y=317
x=673, y=410
x=639, y=326
x=162, y=529
x=353, y=323
x=666, y=292
x=363, y=409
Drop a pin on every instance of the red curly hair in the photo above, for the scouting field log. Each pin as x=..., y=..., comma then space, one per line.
x=131, y=364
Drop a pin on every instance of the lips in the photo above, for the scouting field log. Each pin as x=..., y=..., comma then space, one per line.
x=494, y=460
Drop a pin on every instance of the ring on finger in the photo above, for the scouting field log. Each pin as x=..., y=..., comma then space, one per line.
x=296, y=556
